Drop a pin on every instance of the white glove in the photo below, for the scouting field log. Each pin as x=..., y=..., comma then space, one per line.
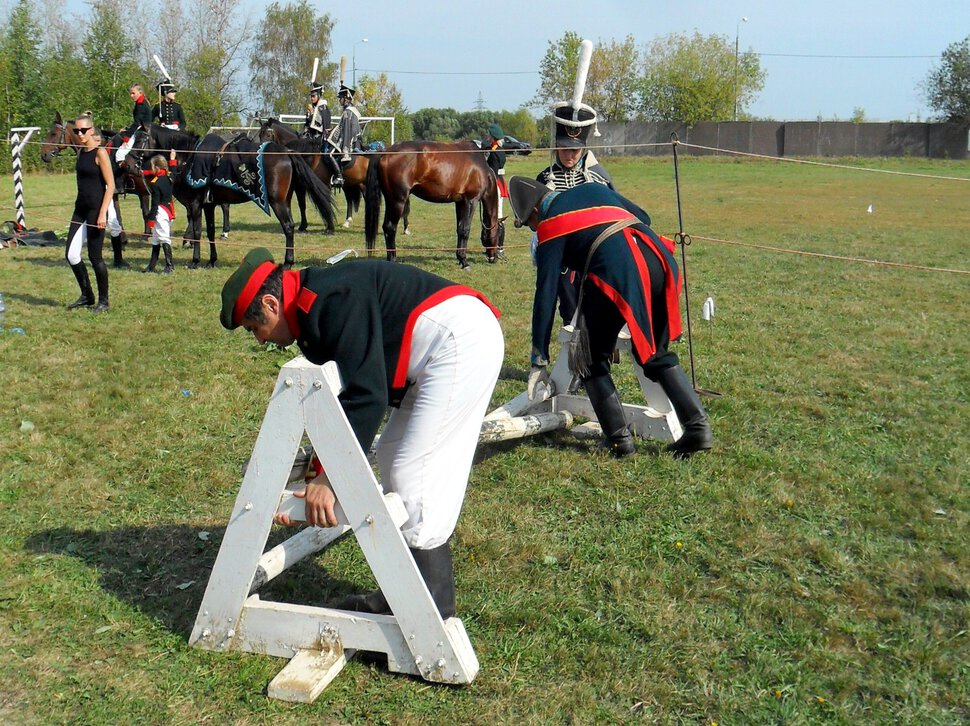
x=538, y=375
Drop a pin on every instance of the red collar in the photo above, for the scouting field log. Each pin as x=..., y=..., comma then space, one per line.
x=291, y=294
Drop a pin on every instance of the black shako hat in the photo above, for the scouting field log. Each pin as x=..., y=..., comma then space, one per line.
x=525, y=195
x=243, y=284
x=573, y=124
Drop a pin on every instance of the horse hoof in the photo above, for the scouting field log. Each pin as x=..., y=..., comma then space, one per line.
x=193, y=265
x=407, y=231
x=464, y=266
x=225, y=235
x=210, y=265
x=346, y=224
x=492, y=260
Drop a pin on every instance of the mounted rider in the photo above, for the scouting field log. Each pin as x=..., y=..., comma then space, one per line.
x=345, y=137
x=167, y=112
x=317, y=122
x=140, y=114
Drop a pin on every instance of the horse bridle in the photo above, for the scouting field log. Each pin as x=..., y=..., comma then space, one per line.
x=61, y=141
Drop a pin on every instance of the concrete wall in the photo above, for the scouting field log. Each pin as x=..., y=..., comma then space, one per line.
x=796, y=138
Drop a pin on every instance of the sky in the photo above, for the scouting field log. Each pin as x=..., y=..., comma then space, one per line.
x=823, y=58
x=420, y=43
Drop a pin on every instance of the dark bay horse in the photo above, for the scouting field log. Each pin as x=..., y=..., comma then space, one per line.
x=309, y=149
x=282, y=172
x=439, y=172
x=61, y=136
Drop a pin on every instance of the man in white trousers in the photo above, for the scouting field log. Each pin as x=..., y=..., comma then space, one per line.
x=402, y=338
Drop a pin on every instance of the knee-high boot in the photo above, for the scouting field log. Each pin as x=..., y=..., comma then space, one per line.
x=153, y=261
x=609, y=412
x=437, y=570
x=169, y=267
x=101, y=277
x=84, y=282
x=117, y=247
x=693, y=418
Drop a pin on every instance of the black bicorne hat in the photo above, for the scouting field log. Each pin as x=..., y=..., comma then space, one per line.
x=573, y=124
x=524, y=195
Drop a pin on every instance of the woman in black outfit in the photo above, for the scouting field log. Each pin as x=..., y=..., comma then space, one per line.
x=95, y=187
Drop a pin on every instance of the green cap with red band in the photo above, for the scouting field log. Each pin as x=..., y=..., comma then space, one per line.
x=243, y=284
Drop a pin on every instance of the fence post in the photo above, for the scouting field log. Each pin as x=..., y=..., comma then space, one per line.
x=16, y=147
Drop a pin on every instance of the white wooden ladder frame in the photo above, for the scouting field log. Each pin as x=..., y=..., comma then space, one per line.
x=319, y=640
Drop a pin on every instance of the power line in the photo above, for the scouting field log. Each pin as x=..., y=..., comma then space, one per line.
x=451, y=73
x=856, y=57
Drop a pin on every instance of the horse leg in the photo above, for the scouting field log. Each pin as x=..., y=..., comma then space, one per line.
x=225, y=221
x=282, y=211
x=210, y=232
x=463, y=215
x=194, y=213
x=301, y=203
x=407, y=213
x=352, y=194
x=392, y=215
x=145, y=202
x=117, y=205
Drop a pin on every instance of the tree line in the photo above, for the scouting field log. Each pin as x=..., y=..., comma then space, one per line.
x=230, y=67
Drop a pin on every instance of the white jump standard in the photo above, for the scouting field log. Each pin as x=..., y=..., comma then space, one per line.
x=319, y=640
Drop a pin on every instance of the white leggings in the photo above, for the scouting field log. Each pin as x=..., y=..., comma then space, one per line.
x=425, y=452
x=162, y=232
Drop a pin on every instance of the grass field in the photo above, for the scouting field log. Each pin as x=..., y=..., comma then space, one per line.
x=813, y=568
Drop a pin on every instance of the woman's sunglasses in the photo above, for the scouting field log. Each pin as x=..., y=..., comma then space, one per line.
x=81, y=130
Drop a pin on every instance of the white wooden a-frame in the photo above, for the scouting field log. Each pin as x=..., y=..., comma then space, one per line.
x=656, y=420
x=317, y=639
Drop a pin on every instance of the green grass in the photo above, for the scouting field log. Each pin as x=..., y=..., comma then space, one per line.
x=813, y=568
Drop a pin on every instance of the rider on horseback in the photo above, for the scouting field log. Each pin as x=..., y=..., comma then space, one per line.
x=167, y=112
x=317, y=122
x=346, y=135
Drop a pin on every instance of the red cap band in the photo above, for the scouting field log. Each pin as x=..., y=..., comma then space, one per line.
x=255, y=282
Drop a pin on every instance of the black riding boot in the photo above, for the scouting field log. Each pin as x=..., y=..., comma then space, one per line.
x=609, y=412
x=169, y=267
x=693, y=419
x=101, y=277
x=84, y=282
x=117, y=247
x=337, y=178
x=153, y=261
x=436, y=568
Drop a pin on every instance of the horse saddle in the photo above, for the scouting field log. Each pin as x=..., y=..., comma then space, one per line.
x=236, y=165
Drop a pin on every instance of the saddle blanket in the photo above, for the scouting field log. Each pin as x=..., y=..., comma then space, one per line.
x=237, y=165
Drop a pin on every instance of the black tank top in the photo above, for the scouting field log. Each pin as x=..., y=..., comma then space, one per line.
x=90, y=183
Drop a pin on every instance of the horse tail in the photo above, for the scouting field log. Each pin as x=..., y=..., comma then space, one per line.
x=372, y=201
x=318, y=191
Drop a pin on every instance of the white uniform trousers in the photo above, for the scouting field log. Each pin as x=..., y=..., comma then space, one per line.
x=162, y=232
x=425, y=452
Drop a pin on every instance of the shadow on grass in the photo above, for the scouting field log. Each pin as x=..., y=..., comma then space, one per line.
x=150, y=567
x=32, y=300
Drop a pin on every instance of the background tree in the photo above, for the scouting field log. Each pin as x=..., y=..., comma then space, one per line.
x=692, y=79
x=212, y=90
x=21, y=83
x=111, y=65
x=947, y=86
x=377, y=96
x=436, y=124
x=612, y=81
x=286, y=41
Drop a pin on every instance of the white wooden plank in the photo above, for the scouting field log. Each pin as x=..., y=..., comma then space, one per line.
x=306, y=675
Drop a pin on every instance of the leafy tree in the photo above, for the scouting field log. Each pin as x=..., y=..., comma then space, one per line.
x=287, y=40
x=611, y=83
x=211, y=92
x=21, y=84
x=697, y=78
x=519, y=123
x=436, y=124
x=110, y=65
x=377, y=96
x=947, y=86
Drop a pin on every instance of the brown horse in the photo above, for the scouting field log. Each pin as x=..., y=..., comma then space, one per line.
x=436, y=172
x=310, y=150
